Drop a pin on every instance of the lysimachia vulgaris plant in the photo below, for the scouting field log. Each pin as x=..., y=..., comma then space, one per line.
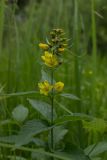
x=51, y=59
x=52, y=55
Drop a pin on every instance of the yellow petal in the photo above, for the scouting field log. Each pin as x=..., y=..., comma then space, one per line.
x=58, y=86
x=43, y=46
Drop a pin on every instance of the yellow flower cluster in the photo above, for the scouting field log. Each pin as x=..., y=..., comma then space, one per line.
x=58, y=86
x=49, y=59
x=45, y=87
x=54, y=48
x=52, y=58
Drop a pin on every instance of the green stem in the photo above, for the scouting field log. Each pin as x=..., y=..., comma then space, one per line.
x=52, y=106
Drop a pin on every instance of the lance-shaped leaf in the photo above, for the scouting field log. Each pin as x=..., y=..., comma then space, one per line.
x=25, y=135
x=96, y=149
x=43, y=108
x=8, y=139
x=58, y=134
x=77, y=154
x=73, y=117
x=30, y=129
x=69, y=96
x=16, y=158
x=59, y=156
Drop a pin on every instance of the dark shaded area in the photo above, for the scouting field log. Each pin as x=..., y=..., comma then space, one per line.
x=20, y=3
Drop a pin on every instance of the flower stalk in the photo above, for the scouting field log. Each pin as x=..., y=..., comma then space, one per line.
x=52, y=107
x=52, y=59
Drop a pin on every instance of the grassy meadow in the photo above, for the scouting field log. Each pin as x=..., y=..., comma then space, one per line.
x=80, y=130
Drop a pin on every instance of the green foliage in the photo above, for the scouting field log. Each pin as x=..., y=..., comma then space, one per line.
x=30, y=129
x=58, y=134
x=20, y=113
x=63, y=107
x=69, y=96
x=96, y=125
x=43, y=108
x=74, y=155
x=72, y=117
x=25, y=135
x=96, y=149
x=16, y=158
x=96, y=158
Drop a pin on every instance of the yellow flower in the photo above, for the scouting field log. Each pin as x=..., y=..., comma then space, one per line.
x=43, y=46
x=45, y=87
x=58, y=86
x=50, y=59
x=61, y=49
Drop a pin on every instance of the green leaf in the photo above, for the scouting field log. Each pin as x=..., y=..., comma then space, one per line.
x=96, y=149
x=20, y=113
x=96, y=158
x=30, y=129
x=43, y=108
x=16, y=158
x=38, y=142
x=4, y=122
x=70, y=96
x=74, y=152
x=3, y=96
x=13, y=140
x=97, y=125
x=74, y=155
x=25, y=135
x=63, y=107
x=58, y=134
x=73, y=117
x=8, y=139
x=39, y=156
x=59, y=156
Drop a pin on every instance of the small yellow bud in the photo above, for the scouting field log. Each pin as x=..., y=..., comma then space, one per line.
x=65, y=44
x=61, y=49
x=58, y=86
x=43, y=46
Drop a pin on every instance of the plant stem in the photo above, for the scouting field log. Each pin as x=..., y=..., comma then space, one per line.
x=52, y=106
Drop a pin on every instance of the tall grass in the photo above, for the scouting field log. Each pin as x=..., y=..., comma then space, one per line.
x=2, y=9
x=94, y=55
